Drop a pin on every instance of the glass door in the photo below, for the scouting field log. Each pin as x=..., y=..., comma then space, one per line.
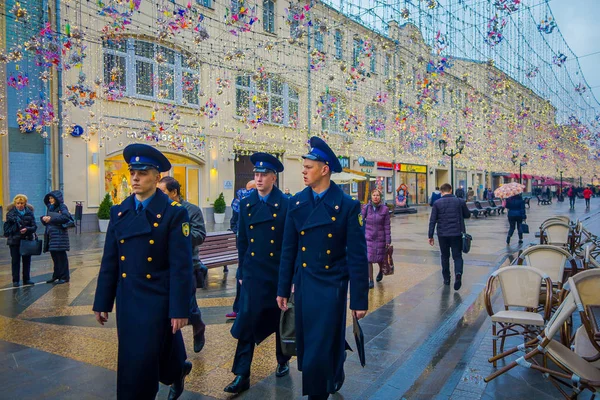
x=422, y=188
x=192, y=193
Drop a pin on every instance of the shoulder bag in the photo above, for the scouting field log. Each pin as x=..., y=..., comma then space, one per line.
x=466, y=238
x=31, y=247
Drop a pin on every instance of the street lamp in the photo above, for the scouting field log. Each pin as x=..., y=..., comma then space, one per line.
x=561, y=198
x=522, y=163
x=460, y=145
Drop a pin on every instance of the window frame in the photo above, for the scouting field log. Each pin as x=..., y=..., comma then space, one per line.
x=130, y=74
x=327, y=123
x=319, y=41
x=373, y=61
x=269, y=16
x=339, y=44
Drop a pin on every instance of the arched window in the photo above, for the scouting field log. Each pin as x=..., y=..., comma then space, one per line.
x=149, y=71
x=269, y=16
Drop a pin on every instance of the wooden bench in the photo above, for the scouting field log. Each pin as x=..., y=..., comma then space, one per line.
x=500, y=207
x=475, y=211
x=219, y=249
x=488, y=208
x=543, y=201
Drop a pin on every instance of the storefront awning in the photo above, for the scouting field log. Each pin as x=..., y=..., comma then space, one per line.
x=343, y=178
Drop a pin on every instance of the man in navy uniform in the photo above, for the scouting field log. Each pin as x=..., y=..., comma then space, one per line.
x=324, y=247
x=147, y=268
x=260, y=233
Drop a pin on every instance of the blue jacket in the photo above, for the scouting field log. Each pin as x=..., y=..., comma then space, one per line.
x=260, y=237
x=147, y=268
x=516, y=206
x=448, y=214
x=58, y=237
x=435, y=196
x=324, y=248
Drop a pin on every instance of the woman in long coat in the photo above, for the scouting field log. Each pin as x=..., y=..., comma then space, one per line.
x=20, y=223
x=377, y=231
x=57, y=235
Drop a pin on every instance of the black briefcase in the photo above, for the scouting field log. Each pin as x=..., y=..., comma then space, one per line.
x=287, y=329
x=30, y=247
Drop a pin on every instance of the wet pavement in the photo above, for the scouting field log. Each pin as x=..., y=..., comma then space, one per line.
x=424, y=340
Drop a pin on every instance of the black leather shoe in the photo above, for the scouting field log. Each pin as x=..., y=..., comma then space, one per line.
x=225, y=269
x=61, y=281
x=338, y=385
x=458, y=281
x=28, y=282
x=16, y=284
x=282, y=369
x=51, y=280
x=240, y=383
x=520, y=241
x=371, y=285
x=508, y=240
x=199, y=341
x=447, y=282
x=379, y=276
x=177, y=387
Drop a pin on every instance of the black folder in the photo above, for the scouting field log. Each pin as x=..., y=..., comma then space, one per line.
x=360, y=340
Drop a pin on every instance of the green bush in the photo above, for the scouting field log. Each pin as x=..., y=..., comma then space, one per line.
x=220, y=205
x=104, y=210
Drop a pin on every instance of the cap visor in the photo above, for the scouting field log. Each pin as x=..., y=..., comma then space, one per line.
x=141, y=167
x=311, y=156
x=263, y=170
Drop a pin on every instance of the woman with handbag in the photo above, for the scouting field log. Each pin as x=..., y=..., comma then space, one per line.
x=516, y=215
x=20, y=225
x=376, y=218
x=56, y=237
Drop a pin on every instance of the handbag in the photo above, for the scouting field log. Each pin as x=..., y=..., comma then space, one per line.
x=387, y=266
x=466, y=238
x=31, y=247
x=524, y=228
x=287, y=329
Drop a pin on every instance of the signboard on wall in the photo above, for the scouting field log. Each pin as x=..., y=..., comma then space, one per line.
x=345, y=161
x=388, y=166
x=227, y=185
x=419, y=169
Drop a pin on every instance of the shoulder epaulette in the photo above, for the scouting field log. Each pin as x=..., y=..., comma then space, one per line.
x=174, y=203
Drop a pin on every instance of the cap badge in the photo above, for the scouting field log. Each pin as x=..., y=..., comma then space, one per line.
x=137, y=159
x=260, y=163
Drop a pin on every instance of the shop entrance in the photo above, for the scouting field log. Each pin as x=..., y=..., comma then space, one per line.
x=415, y=178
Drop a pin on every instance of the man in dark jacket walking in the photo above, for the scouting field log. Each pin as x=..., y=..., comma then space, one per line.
x=460, y=192
x=448, y=213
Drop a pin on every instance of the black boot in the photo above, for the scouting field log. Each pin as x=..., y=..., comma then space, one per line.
x=177, y=387
x=239, y=384
x=199, y=341
x=379, y=276
x=458, y=281
x=508, y=240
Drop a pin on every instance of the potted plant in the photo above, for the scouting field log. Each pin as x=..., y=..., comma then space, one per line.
x=219, y=209
x=104, y=213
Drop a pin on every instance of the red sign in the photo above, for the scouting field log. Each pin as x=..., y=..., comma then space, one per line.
x=397, y=167
x=384, y=165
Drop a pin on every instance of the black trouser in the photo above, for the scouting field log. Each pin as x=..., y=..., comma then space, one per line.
x=587, y=203
x=245, y=351
x=196, y=315
x=15, y=258
x=572, y=202
x=61, y=265
x=453, y=243
x=515, y=221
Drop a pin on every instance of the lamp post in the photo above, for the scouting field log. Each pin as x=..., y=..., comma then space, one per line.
x=460, y=145
x=561, y=198
x=522, y=163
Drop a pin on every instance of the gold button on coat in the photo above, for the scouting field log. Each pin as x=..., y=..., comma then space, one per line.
x=271, y=254
x=151, y=241
x=272, y=241
x=149, y=259
x=249, y=214
x=251, y=226
x=156, y=224
x=274, y=215
x=158, y=215
x=327, y=267
x=248, y=205
x=304, y=265
x=252, y=254
x=302, y=233
x=272, y=228
x=329, y=235
x=148, y=276
x=333, y=218
x=122, y=241
x=303, y=248
x=251, y=240
x=328, y=251
x=124, y=275
x=122, y=258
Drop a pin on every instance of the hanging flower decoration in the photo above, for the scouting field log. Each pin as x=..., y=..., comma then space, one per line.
x=427, y=93
x=532, y=73
x=431, y=4
x=211, y=110
x=298, y=16
x=441, y=42
x=260, y=75
x=580, y=88
x=508, y=6
x=317, y=60
x=190, y=82
x=200, y=32
x=239, y=17
x=498, y=84
x=326, y=105
x=80, y=94
x=120, y=13
x=36, y=116
x=352, y=123
x=405, y=13
x=380, y=97
x=547, y=25
x=171, y=23
x=559, y=59
x=355, y=75
x=19, y=82
x=19, y=12
x=438, y=67
x=495, y=28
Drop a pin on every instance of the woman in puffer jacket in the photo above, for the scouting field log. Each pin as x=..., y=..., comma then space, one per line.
x=376, y=218
x=20, y=224
x=58, y=236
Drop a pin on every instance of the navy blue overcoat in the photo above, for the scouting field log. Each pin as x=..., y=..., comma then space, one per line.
x=324, y=248
x=260, y=236
x=147, y=267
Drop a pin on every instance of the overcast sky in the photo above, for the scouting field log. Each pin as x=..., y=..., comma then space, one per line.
x=579, y=23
